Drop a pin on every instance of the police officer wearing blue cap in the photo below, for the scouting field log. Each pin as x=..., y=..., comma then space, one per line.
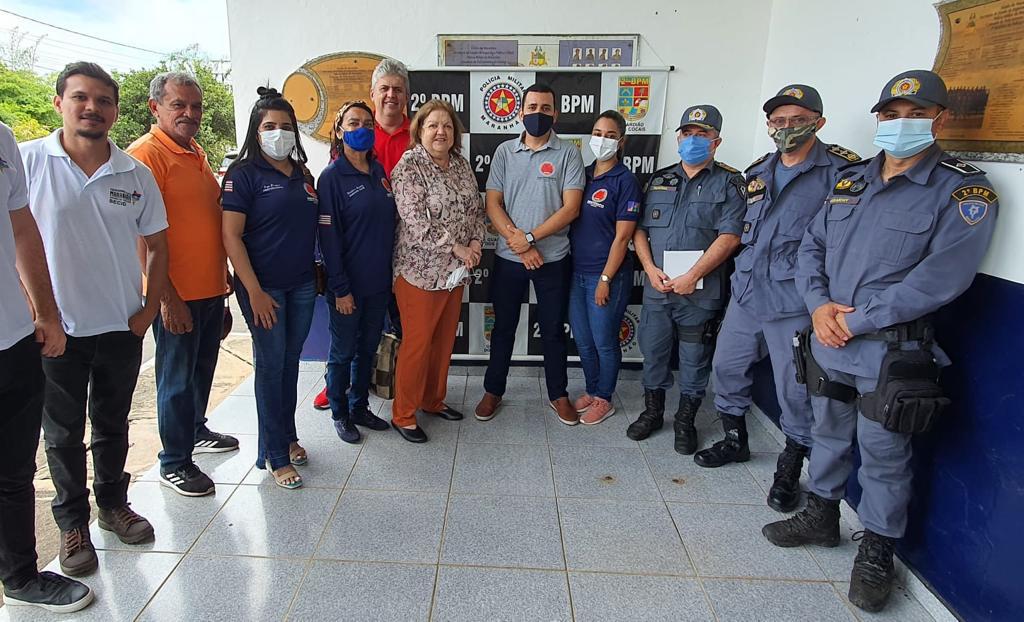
x=697, y=205
x=785, y=189
x=900, y=235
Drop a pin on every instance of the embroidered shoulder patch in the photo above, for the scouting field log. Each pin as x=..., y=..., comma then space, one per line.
x=844, y=153
x=973, y=202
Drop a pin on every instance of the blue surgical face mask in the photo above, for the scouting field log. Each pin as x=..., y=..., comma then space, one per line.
x=360, y=139
x=902, y=138
x=695, y=149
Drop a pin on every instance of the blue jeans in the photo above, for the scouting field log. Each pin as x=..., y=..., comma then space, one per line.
x=184, y=376
x=354, y=340
x=596, y=329
x=276, y=356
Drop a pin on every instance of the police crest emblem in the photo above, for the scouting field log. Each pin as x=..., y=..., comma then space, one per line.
x=906, y=86
x=634, y=96
x=697, y=114
x=973, y=202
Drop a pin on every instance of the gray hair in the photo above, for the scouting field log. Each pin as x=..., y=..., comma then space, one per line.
x=390, y=67
x=158, y=85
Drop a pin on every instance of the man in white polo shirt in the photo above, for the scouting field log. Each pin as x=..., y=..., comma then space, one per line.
x=21, y=391
x=92, y=202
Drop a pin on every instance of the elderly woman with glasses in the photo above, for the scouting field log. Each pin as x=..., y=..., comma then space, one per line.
x=439, y=242
x=357, y=237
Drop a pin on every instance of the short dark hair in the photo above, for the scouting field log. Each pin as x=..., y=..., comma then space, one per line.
x=539, y=88
x=89, y=70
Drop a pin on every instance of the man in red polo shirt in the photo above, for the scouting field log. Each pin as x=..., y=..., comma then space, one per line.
x=389, y=91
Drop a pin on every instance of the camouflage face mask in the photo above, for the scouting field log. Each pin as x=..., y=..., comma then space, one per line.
x=789, y=139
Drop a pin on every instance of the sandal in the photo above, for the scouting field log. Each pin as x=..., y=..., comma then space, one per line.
x=284, y=474
x=297, y=455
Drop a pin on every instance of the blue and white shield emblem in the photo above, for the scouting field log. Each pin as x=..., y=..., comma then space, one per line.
x=973, y=211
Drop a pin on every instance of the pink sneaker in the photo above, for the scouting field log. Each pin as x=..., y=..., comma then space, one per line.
x=582, y=403
x=600, y=409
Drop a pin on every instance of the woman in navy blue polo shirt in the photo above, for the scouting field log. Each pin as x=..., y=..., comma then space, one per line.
x=602, y=268
x=357, y=237
x=270, y=211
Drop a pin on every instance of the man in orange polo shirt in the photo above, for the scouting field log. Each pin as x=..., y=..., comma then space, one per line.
x=389, y=91
x=188, y=328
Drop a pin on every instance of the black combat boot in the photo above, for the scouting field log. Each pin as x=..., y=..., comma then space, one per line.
x=651, y=418
x=686, y=432
x=818, y=523
x=873, y=571
x=733, y=448
x=785, y=492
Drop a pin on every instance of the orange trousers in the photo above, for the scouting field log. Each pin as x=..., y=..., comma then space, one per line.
x=430, y=320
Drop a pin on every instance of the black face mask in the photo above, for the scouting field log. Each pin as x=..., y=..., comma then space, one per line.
x=538, y=123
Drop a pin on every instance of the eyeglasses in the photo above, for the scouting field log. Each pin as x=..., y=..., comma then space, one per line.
x=781, y=122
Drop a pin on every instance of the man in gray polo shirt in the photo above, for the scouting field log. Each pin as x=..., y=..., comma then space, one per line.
x=534, y=191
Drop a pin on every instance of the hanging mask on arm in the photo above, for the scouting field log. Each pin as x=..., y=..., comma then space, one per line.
x=789, y=139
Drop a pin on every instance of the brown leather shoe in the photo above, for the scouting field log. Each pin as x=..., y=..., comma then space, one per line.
x=487, y=407
x=566, y=412
x=129, y=526
x=77, y=555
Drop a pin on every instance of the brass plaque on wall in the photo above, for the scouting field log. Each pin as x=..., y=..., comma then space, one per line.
x=319, y=88
x=981, y=58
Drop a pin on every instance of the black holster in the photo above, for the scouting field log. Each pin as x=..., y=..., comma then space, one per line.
x=705, y=333
x=908, y=398
x=809, y=373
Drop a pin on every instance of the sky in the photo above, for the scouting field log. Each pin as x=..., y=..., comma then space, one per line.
x=156, y=26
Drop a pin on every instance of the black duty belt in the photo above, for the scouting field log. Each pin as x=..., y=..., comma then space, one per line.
x=917, y=330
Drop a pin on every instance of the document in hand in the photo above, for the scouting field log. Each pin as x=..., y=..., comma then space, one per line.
x=679, y=262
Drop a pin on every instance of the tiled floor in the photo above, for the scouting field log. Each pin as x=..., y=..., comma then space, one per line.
x=519, y=518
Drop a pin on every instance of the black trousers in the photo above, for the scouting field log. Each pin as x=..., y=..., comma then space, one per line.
x=21, y=411
x=510, y=281
x=100, y=373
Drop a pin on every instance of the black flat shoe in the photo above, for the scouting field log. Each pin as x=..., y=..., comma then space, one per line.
x=415, y=435
x=447, y=412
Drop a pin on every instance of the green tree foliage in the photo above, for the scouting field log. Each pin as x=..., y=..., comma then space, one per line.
x=26, y=104
x=217, y=130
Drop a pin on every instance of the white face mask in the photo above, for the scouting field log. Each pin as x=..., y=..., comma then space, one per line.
x=603, y=148
x=277, y=144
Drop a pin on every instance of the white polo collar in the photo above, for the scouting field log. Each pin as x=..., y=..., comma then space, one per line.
x=120, y=162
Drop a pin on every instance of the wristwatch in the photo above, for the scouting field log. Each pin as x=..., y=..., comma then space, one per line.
x=605, y=278
x=530, y=239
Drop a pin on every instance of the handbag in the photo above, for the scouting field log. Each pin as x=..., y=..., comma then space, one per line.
x=385, y=362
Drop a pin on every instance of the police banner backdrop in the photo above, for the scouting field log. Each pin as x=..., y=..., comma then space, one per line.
x=488, y=102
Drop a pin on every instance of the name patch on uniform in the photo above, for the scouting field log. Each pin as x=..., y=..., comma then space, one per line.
x=844, y=200
x=354, y=191
x=124, y=198
x=271, y=188
x=973, y=202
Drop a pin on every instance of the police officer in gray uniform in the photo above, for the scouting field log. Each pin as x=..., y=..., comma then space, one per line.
x=785, y=189
x=900, y=235
x=696, y=204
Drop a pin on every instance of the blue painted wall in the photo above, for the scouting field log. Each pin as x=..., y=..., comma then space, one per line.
x=965, y=539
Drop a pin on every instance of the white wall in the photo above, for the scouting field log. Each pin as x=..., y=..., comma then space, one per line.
x=848, y=51
x=730, y=53
x=717, y=56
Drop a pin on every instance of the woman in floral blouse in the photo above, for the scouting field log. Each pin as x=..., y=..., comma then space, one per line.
x=438, y=243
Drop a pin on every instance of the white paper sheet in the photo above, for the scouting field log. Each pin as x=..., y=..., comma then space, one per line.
x=679, y=262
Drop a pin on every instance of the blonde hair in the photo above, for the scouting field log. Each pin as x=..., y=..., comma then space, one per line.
x=421, y=116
